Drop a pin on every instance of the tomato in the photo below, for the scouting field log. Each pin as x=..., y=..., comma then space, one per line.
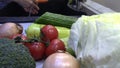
x=54, y=46
x=48, y=33
x=37, y=49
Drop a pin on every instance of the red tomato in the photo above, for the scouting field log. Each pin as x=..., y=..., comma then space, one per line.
x=54, y=46
x=37, y=49
x=48, y=33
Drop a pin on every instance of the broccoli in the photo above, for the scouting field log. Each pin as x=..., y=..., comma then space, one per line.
x=14, y=55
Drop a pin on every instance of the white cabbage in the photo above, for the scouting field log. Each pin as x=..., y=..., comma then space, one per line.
x=96, y=40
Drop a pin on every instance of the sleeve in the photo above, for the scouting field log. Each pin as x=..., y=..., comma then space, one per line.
x=3, y=3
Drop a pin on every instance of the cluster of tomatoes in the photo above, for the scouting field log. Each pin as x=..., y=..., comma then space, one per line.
x=48, y=43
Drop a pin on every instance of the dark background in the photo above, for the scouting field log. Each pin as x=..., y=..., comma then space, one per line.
x=55, y=6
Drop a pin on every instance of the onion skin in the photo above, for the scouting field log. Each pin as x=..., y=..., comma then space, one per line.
x=9, y=29
x=20, y=28
x=61, y=60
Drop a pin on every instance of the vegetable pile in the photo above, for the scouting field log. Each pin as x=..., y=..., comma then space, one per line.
x=46, y=43
x=41, y=39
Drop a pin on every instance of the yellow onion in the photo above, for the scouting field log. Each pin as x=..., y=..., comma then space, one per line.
x=9, y=29
x=61, y=60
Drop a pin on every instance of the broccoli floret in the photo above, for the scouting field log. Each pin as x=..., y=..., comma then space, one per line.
x=6, y=40
x=15, y=55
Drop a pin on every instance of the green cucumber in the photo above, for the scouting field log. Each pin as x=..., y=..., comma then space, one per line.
x=56, y=19
x=33, y=30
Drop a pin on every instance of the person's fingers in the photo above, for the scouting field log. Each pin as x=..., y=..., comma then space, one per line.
x=31, y=10
x=35, y=6
x=26, y=9
x=29, y=5
x=35, y=11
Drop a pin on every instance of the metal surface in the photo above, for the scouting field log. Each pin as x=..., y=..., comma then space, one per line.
x=91, y=7
x=112, y=4
x=75, y=4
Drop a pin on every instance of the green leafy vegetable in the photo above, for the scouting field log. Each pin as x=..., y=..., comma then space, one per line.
x=13, y=55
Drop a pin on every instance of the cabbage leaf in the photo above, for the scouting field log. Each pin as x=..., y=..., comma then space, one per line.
x=96, y=40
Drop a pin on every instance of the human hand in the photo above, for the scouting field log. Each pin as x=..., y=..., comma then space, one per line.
x=28, y=5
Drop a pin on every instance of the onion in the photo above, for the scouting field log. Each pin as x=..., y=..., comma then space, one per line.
x=61, y=60
x=9, y=29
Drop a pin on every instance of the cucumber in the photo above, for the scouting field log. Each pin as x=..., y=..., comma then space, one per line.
x=56, y=19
